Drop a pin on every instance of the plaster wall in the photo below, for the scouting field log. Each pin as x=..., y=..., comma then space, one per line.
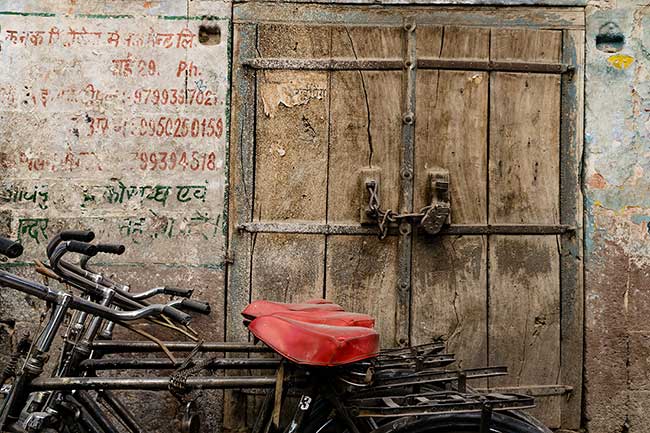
x=114, y=117
x=617, y=217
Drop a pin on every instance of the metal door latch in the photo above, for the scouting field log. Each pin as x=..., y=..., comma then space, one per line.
x=431, y=217
x=438, y=213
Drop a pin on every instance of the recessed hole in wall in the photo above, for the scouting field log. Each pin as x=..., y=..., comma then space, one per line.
x=610, y=39
x=209, y=34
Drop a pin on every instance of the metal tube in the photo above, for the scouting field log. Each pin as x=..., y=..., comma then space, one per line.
x=164, y=363
x=96, y=412
x=147, y=383
x=121, y=411
x=121, y=346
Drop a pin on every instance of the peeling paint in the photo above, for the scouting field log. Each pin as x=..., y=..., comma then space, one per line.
x=617, y=208
x=620, y=61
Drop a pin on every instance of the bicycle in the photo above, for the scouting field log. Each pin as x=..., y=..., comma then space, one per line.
x=328, y=358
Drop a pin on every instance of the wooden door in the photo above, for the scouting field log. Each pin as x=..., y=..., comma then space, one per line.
x=324, y=95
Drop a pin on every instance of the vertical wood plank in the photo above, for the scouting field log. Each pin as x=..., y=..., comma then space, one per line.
x=365, y=114
x=240, y=204
x=449, y=275
x=572, y=292
x=290, y=168
x=361, y=277
x=449, y=296
x=524, y=303
x=365, y=121
x=291, y=163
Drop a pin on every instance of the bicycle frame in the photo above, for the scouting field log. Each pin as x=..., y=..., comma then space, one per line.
x=360, y=394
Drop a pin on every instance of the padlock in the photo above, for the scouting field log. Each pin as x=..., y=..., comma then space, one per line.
x=435, y=217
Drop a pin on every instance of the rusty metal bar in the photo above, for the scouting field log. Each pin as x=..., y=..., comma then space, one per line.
x=117, y=346
x=436, y=403
x=147, y=383
x=405, y=240
x=534, y=390
x=165, y=363
x=507, y=229
x=454, y=229
x=349, y=64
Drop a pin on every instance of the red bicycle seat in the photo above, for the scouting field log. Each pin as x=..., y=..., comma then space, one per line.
x=332, y=318
x=316, y=344
x=266, y=308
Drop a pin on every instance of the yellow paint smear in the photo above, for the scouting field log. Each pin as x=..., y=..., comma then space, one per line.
x=620, y=61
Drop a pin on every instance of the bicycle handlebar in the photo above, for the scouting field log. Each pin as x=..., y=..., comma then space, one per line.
x=196, y=306
x=51, y=295
x=81, y=248
x=117, y=249
x=10, y=248
x=69, y=235
x=171, y=291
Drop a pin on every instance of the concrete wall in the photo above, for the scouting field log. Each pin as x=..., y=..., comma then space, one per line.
x=114, y=117
x=617, y=194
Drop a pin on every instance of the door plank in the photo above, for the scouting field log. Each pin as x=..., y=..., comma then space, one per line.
x=365, y=114
x=291, y=164
x=572, y=292
x=365, y=118
x=290, y=168
x=449, y=301
x=524, y=148
x=240, y=203
x=524, y=315
x=524, y=275
x=449, y=276
x=361, y=276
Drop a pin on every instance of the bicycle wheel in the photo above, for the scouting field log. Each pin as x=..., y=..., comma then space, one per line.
x=508, y=422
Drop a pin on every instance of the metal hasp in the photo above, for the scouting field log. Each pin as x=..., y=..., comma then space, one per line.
x=369, y=186
x=439, y=211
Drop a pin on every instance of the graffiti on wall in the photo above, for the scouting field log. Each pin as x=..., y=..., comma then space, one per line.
x=118, y=123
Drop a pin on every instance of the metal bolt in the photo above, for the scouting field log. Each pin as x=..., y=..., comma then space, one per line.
x=410, y=26
x=403, y=285
x=405, y=229
x=408, y=118
x=406, y=173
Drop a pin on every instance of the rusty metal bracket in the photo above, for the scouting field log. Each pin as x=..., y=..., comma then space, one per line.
x=439, y=210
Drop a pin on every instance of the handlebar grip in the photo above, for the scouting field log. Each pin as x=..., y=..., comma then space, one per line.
x=197, y=306
x=117, y=249
x=77, y=235
x=10, y=248
x=175, y=291
x=81, y=248
x=177, y=315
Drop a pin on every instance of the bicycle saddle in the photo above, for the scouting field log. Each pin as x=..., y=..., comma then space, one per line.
x=266, y=308
x=313, y=343
x=332, y=318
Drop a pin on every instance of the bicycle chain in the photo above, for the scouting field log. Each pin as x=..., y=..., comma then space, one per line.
x=178, y=379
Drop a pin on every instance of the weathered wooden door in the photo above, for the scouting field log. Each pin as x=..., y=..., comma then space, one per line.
x=325, y=94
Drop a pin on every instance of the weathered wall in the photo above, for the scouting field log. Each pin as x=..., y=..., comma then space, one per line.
x=617, y=241
x=114, y=117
